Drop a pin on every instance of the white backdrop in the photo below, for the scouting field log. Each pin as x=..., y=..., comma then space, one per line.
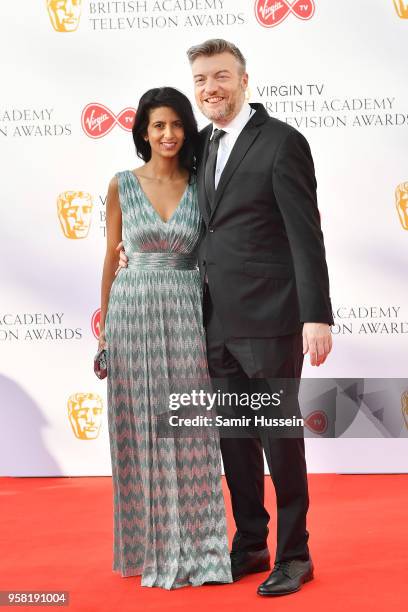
x=335, y=72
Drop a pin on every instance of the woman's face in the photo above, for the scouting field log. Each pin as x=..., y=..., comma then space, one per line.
x=165, y=132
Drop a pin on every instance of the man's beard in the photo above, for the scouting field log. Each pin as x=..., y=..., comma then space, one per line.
x=222, y=113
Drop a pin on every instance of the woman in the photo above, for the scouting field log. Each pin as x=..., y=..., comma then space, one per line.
x=169, y=515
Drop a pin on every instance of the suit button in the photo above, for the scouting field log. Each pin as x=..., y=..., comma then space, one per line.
x=211, y=229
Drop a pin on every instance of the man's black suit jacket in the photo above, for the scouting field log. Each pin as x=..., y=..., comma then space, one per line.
x=263, y=248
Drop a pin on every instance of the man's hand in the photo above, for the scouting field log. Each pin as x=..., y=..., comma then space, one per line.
x=317, y=341
x=123, y=260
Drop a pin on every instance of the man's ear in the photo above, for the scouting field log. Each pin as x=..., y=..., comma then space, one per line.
x=244, y=80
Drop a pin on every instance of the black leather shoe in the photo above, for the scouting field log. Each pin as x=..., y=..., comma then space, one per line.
x=249, y=562
x=287, y=577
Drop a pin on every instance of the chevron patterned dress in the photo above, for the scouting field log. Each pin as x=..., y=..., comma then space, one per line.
x=169, y=515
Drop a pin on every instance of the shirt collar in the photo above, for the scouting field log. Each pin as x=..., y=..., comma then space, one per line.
x=237, y=123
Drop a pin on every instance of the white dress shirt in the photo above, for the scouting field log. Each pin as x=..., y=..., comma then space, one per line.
x=233, y=130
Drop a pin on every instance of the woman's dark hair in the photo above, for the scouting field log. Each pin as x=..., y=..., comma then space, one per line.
x=180, y=104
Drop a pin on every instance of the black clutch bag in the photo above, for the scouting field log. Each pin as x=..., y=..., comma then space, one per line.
x=101, y=364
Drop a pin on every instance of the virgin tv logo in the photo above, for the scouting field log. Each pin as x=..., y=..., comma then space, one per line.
x=317, y=422
x=270, y=13
x=97, y=120
x=96, y=323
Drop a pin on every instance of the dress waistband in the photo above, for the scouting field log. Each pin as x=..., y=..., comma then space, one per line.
x=162, y=261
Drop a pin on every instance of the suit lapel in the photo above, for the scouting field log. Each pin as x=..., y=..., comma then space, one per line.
x=202, y=195
x=243, y=143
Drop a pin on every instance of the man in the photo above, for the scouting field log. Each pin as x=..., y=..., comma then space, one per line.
x=266, y=297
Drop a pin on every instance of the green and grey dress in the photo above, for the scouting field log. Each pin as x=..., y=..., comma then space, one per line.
x=169, y=515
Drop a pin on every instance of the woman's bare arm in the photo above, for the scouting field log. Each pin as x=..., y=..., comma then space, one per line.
x=113, y=236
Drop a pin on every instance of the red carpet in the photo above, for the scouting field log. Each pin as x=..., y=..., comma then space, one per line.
x=56, y=534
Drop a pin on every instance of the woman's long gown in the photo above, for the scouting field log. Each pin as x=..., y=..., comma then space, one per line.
x=169, y=515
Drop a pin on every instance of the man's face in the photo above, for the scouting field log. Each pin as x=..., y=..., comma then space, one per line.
x=401, y=197
x=85, y=416
x=75, y=212
x=64, y=14
x=219, y=86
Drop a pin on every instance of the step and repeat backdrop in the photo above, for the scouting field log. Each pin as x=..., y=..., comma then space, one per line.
x=73, y=72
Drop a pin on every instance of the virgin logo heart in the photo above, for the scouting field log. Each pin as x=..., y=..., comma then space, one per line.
x=317, y=422
x=96, y=323
x=97, y=120
x=271, y=13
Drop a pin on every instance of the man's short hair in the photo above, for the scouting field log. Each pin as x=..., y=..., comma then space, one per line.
x=213, y=46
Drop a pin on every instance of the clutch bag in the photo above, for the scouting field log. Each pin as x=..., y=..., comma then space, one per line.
x=101, y=364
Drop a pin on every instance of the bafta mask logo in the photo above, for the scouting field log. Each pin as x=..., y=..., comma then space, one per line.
x=96, y=323
x=64, y=14
x=270, y=13
x=404, y=407
x=75, y=213
x=85, y=415
x=401, y=6
x=401, y=201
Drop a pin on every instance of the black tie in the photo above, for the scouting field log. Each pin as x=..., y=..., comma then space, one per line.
x=209, y=175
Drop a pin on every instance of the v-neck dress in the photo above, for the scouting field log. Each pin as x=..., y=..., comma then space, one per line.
x=169, y=515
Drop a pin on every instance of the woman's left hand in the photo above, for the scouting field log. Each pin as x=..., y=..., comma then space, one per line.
x=102, y=344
